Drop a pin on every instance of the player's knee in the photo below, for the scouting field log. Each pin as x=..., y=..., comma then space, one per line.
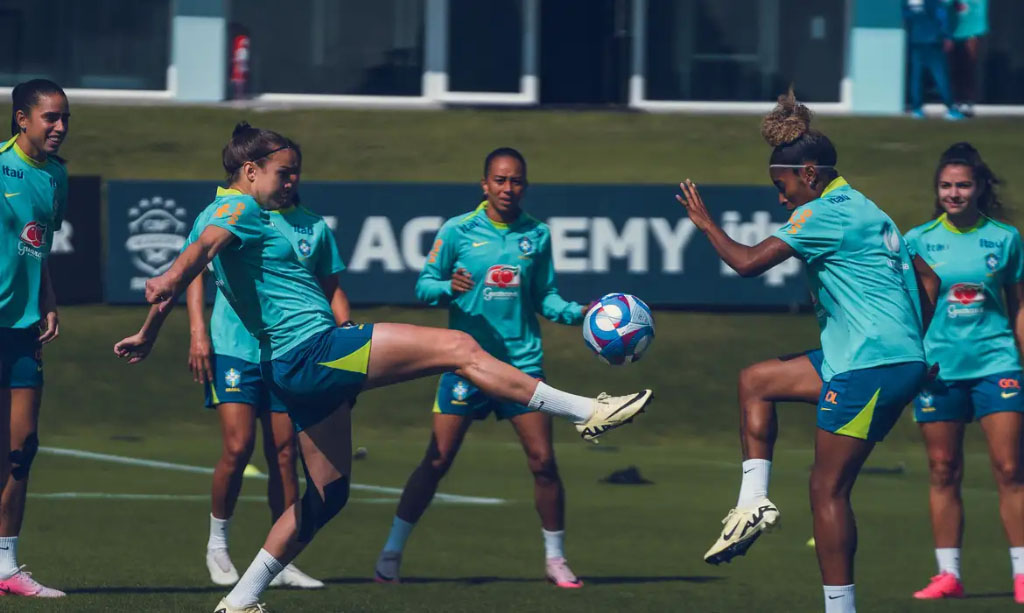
x=237, y=449
x=22, y=457
x=317, y=510
x=824, y=487
x=284, y=452
x=944, y=470
x=543, y=466
x=752, y=379
x=464, y=349
x=438, y=463
x=1008, y=472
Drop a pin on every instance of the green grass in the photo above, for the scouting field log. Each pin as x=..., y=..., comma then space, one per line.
x=637, y=547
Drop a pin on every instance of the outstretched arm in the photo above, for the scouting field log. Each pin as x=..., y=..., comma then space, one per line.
x=747, y=261
x=137, y=346
x=162, y=290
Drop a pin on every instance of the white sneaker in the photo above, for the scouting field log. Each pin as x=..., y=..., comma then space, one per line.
x=387, y=567
x=291, y=576
x=224, y=607
x=611, y=412
x=741, y=528
x=222, y=571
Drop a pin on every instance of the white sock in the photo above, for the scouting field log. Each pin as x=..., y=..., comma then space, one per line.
x=839, y=599
x=1017, y=560
x=756, y=474
x=8, y=556
x=218, y=533
x=554, y=543
x=256, y=579
x=400, y=531
x=548, y=400
x=948, y=559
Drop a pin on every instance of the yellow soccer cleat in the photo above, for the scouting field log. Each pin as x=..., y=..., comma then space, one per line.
x=611, y=412
x=224, y=607
x=741, y=528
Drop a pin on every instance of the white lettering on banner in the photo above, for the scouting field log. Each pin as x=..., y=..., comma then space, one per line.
x=376, y=243
x=412, y=240
x=672, y=242
x=750, y=233
x=62, y=239
x=562, y=244
x=605, y=244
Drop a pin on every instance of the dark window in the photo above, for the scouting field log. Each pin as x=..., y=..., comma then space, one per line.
x=485, y=45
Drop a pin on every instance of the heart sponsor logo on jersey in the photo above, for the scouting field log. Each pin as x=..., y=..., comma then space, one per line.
x=966, y=299
x=501, y=282
x=34, y=234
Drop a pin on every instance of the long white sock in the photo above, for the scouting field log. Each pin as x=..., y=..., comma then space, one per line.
x=948, y=559
x=218, y=533
x=554, y=543
x=1017, y=560
x=839, y=599
x=756, y=474
x=555, y=402
x=8, y=556
x=400, y=531
x=256, y=579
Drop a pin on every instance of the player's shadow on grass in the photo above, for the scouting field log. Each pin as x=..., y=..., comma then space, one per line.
x=604, y=580
x=989, y=595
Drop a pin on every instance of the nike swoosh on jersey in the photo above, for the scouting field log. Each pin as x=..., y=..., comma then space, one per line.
x=480, y=244
x=1008, y=394
x=937, y=264
x=6, y=195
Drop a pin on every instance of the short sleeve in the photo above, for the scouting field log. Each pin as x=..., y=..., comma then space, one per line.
x=1015, y=262
x=329, y=261
x=814, y=230
x=239, y=217
x=911, y=239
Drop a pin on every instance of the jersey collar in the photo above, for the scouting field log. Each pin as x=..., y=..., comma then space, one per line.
x=947, y=224
x=227, y=191
x=13, y=143
x=836, y=183
x=482, y=210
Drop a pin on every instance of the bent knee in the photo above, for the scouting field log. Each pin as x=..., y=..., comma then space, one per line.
x=464, y=349
x=237, y=449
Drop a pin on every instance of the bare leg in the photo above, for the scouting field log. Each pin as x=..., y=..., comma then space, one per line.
x=279, y=449
x=24, y=441
x=837, y=462
x=1004, y=431
x=534, y=430
x=445, y=440
x=760, y=387
x=944, y=443
x=237, y=423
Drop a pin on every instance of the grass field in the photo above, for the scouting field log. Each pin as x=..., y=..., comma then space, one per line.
x=637, y=547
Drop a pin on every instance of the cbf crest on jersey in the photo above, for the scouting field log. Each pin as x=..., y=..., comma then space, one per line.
x=304, y=248
x=157, y=229
x=992, y=261
x=526, y=246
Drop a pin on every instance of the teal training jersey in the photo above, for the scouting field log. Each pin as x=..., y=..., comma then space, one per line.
x=32, y=209
x=858, y=266
x=513, y=277
x=970, y=335
x=227, y=332
x=268, y=276
x=970, y=18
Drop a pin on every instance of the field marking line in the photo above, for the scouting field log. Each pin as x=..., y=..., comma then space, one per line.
x=170, y=497
x=203, y=470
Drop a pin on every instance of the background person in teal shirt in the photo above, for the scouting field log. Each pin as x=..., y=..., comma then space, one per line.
x=35, y=189
x=227, y=361
x=871, y=361
x=970, y=18
x=316, y=367
x=975, y=338
x=493, y=269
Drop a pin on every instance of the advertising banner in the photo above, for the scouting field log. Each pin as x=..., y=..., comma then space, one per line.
x=75, y=258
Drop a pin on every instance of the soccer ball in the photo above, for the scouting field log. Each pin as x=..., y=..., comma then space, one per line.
x=618, y=328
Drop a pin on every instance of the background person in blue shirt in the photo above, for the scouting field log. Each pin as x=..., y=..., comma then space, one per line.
x=493, y=268
x=928, y=26
x=35, y=190
x=975, y=338
x=871, y=362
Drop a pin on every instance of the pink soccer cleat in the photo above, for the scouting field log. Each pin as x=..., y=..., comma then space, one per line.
x=1018, y=589
x=21, y=583
x=560, y=574
x=945, y=585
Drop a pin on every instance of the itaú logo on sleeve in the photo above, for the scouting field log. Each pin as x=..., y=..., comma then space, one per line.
x=501, y=282
x=966, y=299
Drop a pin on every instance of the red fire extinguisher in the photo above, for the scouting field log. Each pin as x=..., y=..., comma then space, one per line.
x=240, y=65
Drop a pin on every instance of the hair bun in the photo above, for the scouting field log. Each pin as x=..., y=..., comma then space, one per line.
x=788, y=121
x=240, y=128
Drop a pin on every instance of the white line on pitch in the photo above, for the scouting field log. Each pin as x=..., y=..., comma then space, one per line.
x=117, y=459
x=170, y=497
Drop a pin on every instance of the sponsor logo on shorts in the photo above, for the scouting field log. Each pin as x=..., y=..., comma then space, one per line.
x=1009, y=383
x=459, y=393
x=501, y=282
x=33, y=239
x=992, y=261
x=156, y=233
x=831, y=397
x=232, y=378
x=304, y=248
x=965, y=300
x=926, y=400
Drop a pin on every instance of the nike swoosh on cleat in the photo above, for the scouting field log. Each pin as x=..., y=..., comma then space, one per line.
x=221, y=611
x=628, y=404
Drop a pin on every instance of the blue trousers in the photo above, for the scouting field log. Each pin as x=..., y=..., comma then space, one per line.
x=930, y=57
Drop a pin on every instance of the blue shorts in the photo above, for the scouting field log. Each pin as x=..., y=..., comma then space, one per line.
x=457, y=396
x=235, y=380
x=969, y=399
x=21, y=358
x=866, y=403
x=321, y=373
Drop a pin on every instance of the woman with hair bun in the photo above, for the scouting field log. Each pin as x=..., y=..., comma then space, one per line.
x=975, y=339
x=864, y=285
